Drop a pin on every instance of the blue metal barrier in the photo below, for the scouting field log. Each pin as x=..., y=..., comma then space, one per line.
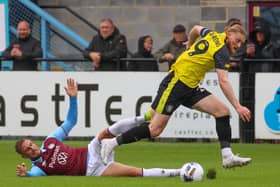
x=50, y=19
x=4, y=4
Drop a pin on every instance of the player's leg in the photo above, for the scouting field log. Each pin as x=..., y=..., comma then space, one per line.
x=164, y=104
x=212, y=105
x=95, y=166
x=132, y=135
x=124, y=125
x=156, y=126
x=117, y=169
x=121, y=126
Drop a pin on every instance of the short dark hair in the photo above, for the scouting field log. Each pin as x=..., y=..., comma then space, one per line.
x=18, y=145
x=179, y=28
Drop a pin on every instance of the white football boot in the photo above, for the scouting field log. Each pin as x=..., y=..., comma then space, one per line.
x=235, y=161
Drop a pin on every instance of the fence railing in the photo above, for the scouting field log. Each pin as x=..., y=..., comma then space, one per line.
x=47, y=29
x=75, y=64
x=131, y=59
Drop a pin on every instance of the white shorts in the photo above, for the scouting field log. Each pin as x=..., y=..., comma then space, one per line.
x=95, y=166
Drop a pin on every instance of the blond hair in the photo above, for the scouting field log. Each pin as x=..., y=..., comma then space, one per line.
x=236, y=28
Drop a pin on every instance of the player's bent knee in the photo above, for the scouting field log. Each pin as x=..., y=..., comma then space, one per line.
x=223, y=111
x=104, y=134
x=226, y=112
x=157, y=125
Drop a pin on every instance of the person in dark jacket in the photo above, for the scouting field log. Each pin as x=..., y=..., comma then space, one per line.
x=261, y=47
x=145, y=45
x=106, y=47
x=24, y=49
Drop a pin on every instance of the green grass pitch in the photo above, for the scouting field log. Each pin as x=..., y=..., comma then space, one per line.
x=262, y=172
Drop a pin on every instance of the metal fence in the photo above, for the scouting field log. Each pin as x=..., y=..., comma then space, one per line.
x=56, y=38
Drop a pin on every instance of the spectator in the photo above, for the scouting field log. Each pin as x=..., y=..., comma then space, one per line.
x=172, y=49
x=24, y=49
x=261, y=47
x=145, y=45
x=107, y=46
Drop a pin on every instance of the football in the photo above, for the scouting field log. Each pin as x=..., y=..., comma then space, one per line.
x=191, y=171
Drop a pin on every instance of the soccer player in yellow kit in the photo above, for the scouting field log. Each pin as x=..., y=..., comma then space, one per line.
x=206, y=50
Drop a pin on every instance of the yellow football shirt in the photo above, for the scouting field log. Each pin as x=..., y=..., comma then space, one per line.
x=205, y=54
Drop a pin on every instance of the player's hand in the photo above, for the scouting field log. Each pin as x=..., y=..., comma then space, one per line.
x=21, y=170
x=244, y=113
x=72, y=88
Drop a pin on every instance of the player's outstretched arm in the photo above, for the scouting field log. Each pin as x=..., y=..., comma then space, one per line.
x=227, y=89
x=35, y=171
x=72, y=91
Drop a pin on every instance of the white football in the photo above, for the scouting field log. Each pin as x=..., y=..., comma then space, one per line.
x=191, y=171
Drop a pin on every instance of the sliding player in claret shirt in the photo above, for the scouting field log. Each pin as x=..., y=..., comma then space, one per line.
x=56, y=158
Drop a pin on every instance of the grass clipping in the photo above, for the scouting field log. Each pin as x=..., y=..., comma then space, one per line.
x=211, y=173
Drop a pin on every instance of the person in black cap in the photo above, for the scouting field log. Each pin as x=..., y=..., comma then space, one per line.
x=172, y=49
